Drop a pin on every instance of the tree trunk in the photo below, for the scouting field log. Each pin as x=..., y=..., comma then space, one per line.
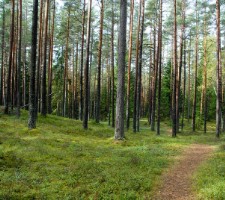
x=51, y=61
x=195, y=74
x=174, y=116
x=139, y=85
x=19, y=58
x=8, y=92
x=44, y=89
x=160, y=68
x=129, y=63
x=119, y=129
x=65, y=76
x=82, y=63
x=86, y=70
x=112, y=67
x=32, y=100
x=218, y=73
x=99, y=64
x=136, y=75
x=3, y=56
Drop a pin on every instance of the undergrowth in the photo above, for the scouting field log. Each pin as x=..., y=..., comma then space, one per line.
x=60, y=160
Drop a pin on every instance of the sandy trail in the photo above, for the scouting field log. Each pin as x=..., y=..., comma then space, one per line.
x=176, y=183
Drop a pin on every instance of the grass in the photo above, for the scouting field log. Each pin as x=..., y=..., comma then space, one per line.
x=210, y=177
x=60, y=160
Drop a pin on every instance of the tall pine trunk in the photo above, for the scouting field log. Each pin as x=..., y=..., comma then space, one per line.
x=86, y=70
x=174, y=104
x=44, y=70
x=2, y=94
x=9, y=78
x=129, y=63
x=98, y=102
x=218, y=73
x=32, y=100
x=119, y=129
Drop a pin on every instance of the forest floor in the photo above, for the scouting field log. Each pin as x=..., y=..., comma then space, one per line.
x=177, y=181
x=60, y=160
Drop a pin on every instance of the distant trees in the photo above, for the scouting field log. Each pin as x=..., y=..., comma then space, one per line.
x=168, y=75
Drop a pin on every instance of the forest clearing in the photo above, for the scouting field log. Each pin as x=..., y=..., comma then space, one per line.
x=112, y=99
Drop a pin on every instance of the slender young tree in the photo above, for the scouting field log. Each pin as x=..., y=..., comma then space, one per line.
x=99, y=63
x=51, y=61
x=136, y=72
x=196, y=72
x=86, y=70
x=32, y=100
x=112, y=66
x=3, y=56
x=139, y=84
x=218, y=73
x=19, y=58
x=82, y=63
x=160, y=66
x=40, y=57
x=9, y=85
x=65, y=76
x=129, y=63
x=44, y=70
x=119, y=129
x=174, y=116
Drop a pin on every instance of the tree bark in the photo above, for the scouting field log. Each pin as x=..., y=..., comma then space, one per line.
x=8, y=92
x=136, y=74
x=160, y=68
x=112, y=67
x=218, y=73
x=81, y=64
x=129, y=63
x=44, y=89
x=195, y=74
x=99, y=64
x=3, y=57
x=32, y=100
x=174, y=116
x=119, y=129
x=86, y=70
x=51, y=61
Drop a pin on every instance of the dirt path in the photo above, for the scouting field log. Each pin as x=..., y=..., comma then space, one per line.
x=176, y=183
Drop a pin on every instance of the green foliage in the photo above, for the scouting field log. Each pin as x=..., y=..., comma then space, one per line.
x=62, y=161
